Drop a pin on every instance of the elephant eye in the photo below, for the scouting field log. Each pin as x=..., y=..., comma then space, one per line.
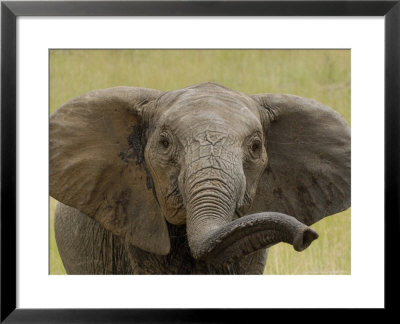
x=255, y=149
x=164, y=142
x=255, y=146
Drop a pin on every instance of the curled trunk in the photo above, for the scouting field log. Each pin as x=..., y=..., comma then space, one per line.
x=214, y=237
x=253, y=232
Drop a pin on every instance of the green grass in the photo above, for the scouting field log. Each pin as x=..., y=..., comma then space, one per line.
x=320, y=74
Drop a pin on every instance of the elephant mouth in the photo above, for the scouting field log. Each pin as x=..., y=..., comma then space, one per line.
x=251, y=233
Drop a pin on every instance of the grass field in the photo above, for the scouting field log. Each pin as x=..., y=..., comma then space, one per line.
x=320, y=74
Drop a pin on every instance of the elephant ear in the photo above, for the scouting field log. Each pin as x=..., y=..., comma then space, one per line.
x=308, y=145
x=97, y=165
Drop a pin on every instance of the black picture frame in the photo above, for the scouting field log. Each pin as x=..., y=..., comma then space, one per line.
x=11, y=10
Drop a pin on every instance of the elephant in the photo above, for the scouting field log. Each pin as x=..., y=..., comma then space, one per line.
x=199, y=180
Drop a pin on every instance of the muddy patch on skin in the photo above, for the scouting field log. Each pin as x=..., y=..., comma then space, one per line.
x=135, y=152
x=135, y=141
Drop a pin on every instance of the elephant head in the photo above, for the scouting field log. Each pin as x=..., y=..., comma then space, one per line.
x=232, y=167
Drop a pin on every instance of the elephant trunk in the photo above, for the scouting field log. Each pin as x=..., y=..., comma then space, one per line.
x=213, y=236
x=253, y=232
x=208, y=210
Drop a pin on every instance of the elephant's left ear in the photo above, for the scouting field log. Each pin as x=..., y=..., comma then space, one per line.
x=97, y=166
x=309, y=159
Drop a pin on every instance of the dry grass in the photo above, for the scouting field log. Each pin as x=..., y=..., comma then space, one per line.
x=56, y=265
x=320, y=74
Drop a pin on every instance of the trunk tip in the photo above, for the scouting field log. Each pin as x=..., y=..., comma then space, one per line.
x=304, y=238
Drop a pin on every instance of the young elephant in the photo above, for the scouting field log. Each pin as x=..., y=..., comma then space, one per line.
x=200, y=180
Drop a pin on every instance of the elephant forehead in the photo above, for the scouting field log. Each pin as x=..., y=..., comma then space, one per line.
x=212, y=133
x=206, y=109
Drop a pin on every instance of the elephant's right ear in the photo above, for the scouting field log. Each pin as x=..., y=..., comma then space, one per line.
x=97, y=165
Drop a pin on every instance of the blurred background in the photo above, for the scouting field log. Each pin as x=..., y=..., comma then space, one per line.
x=323, y=75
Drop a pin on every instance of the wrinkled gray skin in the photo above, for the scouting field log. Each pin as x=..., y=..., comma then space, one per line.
x=200, y=180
